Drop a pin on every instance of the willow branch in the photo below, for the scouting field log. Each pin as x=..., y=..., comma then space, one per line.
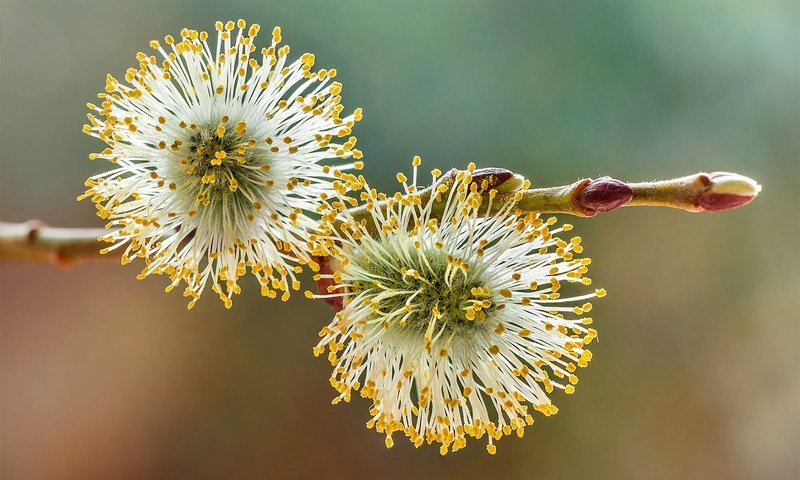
x=33, y=241
x=701, y=192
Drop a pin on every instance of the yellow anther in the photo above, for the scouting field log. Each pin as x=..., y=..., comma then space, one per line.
x=219, y=156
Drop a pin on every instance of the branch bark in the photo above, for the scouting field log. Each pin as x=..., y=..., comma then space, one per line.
x=701, y=192
x=34, y=241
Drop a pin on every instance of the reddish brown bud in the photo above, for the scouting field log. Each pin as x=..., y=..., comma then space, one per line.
x=718, y=202
x=326, y=267
x=603, y=195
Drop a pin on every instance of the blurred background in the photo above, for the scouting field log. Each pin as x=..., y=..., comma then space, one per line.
x=696, y=371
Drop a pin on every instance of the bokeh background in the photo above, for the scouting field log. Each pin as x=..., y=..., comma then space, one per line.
x=696, y=371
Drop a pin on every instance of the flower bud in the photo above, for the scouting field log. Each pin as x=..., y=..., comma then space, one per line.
x=727, y=191
x=499, y=179
x=329, y=266
x=603, y=195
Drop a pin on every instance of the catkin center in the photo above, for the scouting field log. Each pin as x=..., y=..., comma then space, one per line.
x=429, y=286
x=222, y=173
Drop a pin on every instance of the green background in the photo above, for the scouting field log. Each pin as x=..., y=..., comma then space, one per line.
x=695, y=373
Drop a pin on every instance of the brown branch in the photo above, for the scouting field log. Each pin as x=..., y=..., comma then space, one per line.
x=702, y=192
x=33, y=241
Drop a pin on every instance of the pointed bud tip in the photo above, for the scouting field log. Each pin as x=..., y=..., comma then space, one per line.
x=728, y=191
x=499, y=179
x=733, y=184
